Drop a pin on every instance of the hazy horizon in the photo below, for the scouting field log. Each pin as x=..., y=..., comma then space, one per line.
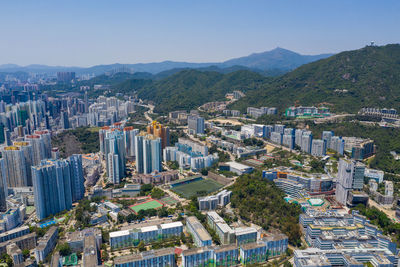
x=87, y=33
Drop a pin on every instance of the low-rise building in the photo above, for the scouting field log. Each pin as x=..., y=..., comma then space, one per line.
x=208, y=202
x=227, y=255
x=201, y=237
x=15, y=253
x=164, y=257
x=156, y=177
x=46, y=244
x=276, y=243
x=76, y=239
x=134, y=235
x=225, y=233
x=245, y=235
x=90, y=255
x=344, y=257
x=239, y=168
x=252, y=253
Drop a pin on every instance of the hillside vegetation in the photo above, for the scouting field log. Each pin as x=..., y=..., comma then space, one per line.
x=189, y=89
x=368, y=77
x=261, y=202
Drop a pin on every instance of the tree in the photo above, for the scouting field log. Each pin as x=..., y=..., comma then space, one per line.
x=146, y=189
x=131, y=217
x=163, y=212
x=26, y=253
x=64, y=249
x=141, y=246
x=5, y=258
x=121, y=218
x=204, y=172
x=104, y=255
x=157, y=193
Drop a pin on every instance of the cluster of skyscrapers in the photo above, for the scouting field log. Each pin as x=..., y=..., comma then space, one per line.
x=189, y=154
x=109, y=110
x=304, y=140
x=57, y=184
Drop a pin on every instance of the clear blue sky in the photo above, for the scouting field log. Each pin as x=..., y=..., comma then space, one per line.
x=90, y=32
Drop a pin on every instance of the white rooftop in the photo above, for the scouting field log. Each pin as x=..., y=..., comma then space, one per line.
x=119, y=233
x=244, y=230
x=171, y=225
x=237, y=165
x=149, y=228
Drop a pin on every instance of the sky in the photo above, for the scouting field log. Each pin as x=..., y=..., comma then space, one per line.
x=92, y=32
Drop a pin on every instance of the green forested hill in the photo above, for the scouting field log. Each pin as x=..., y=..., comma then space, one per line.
x=189, y=89
x=370, y=75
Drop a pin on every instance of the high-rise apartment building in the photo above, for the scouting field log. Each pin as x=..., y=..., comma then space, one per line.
x=38, y=148
x=158, y=130
x=327, y=136
x=3, y=187
x=148, y=153
x=350, y=177
x=318, y=148
x=64, y=120
x=65, y=76
x=306, y=141
x=52, y=187
x=46, y=138
x=288, y=140
x=77, y=179
x=195, y=125
x=129, y=140
x=17, y=161
x=337, y=144
x=114, y=152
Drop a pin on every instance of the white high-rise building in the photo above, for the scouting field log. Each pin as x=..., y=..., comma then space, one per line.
x=350, y=177
x=318, y=148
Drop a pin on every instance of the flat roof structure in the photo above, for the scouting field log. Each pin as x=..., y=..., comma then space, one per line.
x=144, y=255
x=199, y=228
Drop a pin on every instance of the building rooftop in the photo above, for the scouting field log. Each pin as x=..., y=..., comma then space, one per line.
x=171, y=225
x=144, y=255
x=42, y=243
x=80, y=235
x=119, y=233
x=199, y=228
x=224, y=248
x=238, y=166
x=149, y=228
x=90, y=252
x=244, y=230
x=215, y=217
x=193, y=251
x=252, y=245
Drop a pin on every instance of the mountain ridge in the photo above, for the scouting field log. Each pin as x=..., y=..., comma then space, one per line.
x=277, y=59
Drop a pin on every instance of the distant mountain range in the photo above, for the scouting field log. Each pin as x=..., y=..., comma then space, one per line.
x=274, y=62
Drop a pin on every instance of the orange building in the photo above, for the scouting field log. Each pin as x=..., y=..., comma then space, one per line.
x=157, y=129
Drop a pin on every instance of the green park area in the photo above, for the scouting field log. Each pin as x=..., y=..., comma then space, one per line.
x=197, y=188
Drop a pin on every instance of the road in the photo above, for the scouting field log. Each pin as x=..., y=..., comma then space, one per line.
x=150, y=111
x=387, y=210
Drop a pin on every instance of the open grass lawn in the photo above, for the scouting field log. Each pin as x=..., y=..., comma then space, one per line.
x=197, y=188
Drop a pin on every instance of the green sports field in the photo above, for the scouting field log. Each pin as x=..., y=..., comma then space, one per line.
x=152, y=204
x=197, y=188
